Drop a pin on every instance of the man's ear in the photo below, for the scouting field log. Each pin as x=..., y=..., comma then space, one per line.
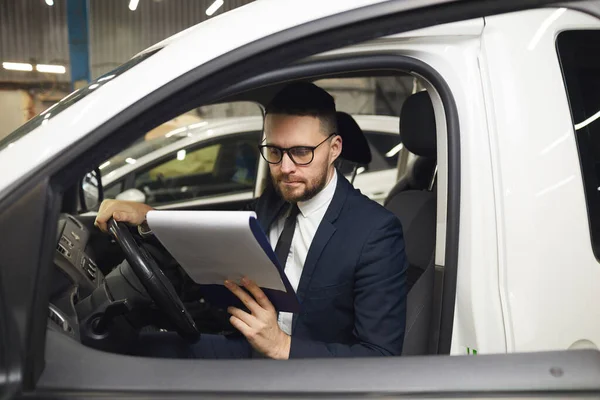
x=336, y=148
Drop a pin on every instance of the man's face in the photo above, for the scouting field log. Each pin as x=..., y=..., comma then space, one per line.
x=301, y=182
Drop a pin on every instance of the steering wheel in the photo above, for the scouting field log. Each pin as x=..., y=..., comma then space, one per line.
x=156, y=283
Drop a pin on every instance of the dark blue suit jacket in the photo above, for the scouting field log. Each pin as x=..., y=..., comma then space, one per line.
x=352, y=288
x=353, y=285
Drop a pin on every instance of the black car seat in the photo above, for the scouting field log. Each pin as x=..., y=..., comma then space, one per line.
x=355, y=148
x=413, y=201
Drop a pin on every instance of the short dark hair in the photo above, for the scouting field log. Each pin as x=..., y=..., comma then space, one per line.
x=305, y=99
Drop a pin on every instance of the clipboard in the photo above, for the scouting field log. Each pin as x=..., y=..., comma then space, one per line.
x=212, y=246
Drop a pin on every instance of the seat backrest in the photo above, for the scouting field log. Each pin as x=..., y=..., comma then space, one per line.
x=418, y=176
x=355, y=147
x=414, y=204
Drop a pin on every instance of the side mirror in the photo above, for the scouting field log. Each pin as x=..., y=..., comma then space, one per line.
x=91, y=193
x=132, y=195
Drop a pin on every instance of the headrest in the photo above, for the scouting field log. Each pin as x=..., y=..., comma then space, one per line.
x=417, y=125
x=355, y=147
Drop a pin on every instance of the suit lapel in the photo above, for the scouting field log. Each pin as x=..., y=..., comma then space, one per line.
x=325, y=230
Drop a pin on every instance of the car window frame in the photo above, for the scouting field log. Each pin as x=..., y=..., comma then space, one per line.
x=402, y=64
x=387, y=62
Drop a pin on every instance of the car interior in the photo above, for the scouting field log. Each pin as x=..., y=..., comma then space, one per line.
x=104, y=303
x=161, y=184
x=355, y=151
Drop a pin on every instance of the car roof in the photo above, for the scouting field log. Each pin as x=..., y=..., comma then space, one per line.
x=246, y=15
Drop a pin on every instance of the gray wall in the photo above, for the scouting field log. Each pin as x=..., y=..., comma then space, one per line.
x=16, y=108
x=31, y=31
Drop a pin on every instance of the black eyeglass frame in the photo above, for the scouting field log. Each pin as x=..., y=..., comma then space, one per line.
x=289, y=149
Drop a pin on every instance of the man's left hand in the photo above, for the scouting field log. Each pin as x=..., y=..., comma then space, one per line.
x=260, y=327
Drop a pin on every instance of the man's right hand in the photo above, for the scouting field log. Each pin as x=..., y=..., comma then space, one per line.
x=123, y=211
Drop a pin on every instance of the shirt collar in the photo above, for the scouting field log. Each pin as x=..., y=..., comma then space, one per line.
x=323, y=198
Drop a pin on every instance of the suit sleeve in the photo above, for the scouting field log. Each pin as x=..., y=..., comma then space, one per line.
x=379, y=300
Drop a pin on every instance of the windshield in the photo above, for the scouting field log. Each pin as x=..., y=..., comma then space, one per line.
x=138, y=150
x=69, y=100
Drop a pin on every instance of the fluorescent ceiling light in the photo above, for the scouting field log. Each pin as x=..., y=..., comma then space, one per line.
x=51, y=69
x=106, y=78
x=94, y=86
x=133, y=4
x=50, y=2
x=106, y=164
x=587, y=121
x=214, y=7
x=17, y=66
x=130, y=160
x=394, y=150
x=181, y=155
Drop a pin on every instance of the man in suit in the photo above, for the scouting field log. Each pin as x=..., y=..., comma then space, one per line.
x=342, y=252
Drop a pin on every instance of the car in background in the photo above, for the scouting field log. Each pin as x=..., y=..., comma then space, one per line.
x=217, y=160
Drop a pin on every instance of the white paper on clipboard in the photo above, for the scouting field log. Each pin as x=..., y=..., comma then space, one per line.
x=212, y=246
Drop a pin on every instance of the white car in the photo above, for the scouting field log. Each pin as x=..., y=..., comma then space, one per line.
x=499, y=202
x=177, y=169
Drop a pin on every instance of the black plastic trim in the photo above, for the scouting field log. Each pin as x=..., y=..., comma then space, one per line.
x=30, y=225
x=557, y=372
x=10, y=361
x=591, y=7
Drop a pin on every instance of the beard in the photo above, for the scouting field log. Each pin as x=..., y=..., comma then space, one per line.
x=307, y=190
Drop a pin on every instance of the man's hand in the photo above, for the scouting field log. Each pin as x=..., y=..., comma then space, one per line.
x=261, y=327
x=122, y=211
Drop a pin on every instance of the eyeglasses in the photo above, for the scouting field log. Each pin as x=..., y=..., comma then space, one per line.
x=300, y=155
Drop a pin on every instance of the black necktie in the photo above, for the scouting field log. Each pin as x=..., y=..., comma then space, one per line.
x=284, y=244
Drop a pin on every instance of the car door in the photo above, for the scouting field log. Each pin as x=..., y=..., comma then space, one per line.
x=106, y=375
x=9, y=363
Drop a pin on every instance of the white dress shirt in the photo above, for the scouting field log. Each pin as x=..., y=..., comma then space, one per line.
x=308, y=220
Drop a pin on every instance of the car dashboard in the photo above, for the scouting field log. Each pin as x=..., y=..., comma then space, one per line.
x=75, y=275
